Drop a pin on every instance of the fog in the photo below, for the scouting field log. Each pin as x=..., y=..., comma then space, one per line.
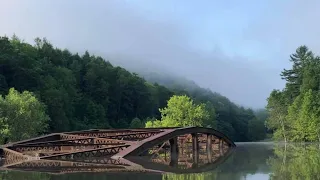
x=236, y=48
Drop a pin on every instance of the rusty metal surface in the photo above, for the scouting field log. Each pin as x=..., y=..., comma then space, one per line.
x=98, y=150
x=140, y=147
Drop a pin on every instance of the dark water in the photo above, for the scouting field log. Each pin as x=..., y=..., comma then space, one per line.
x=250, y=161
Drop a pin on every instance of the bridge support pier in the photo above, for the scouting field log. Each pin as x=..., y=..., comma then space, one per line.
x=209, y=147
x=221, y=146
x=195, y=148
x=174, y=151
x=182, y=146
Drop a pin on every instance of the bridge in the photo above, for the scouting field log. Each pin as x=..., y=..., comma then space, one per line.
x=179, y=150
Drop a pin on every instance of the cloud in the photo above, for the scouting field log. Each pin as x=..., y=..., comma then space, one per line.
x=122, y=30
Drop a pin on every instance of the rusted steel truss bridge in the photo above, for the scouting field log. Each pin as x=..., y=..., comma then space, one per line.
x=177, y=150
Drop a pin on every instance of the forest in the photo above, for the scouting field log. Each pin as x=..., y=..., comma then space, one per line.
x=45, y=89
x=294, y=112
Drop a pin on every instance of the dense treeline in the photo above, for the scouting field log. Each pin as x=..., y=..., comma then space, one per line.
x=295, y=111
x=79, y=91
x=82, y=92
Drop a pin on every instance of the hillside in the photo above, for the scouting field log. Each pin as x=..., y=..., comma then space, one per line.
x=231, y=119
x=82, y=92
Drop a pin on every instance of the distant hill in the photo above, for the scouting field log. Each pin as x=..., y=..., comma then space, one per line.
x=170, y=81
x=239, y=123
x=88, y=92
x=155, y=73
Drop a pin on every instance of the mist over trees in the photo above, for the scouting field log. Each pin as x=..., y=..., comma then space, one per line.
x=86, y=91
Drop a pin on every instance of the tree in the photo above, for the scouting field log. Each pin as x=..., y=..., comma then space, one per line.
x=311, y=75
x=295, y=111
x=182, y=112
x=256, y=129
x=136, y=123
x=304, y=118
x=211, y=121
x=3, y=84
x=22, y=116
x=261, y=114
x=277, y=110
x=153, y=124
x=4, y=128
x=294, y=76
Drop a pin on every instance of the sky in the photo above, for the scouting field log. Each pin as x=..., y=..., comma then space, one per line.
x=236, y=48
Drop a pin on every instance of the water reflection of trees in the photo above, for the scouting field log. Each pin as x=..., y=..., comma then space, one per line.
x=246, y=159
x=16, y=175
x=295, y=162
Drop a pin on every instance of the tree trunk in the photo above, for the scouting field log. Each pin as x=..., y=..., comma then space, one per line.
x=284, y=133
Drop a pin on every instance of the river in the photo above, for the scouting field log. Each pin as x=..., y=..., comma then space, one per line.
x=248, y=161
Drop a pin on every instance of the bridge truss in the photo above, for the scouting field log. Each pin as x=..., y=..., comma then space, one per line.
x=179, y=150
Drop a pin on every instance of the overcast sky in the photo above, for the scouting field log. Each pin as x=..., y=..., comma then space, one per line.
x=236, y=48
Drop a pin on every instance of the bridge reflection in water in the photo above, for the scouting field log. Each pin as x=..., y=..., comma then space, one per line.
x=174, y=150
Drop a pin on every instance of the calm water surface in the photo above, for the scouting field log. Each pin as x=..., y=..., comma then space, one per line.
x=250, y=161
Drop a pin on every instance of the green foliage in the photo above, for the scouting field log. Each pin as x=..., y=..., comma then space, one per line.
x=136, y=123
x=17, y=175
x=82, y=92
x=294, y=76
x=4, y=128
x=277, y=110
x=211, y=121
x=181, y=112
x=22, y=116
x=153, y=124
x=257, y=130
x=304, y=118
x=294, y=112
